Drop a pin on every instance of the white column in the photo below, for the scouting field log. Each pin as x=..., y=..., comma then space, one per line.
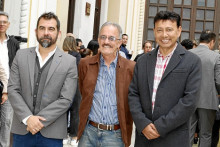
x=24, y=19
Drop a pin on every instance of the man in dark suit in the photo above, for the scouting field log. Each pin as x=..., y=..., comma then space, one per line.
x=147, y=47
x=41, y=87
x=165, y=85
x=210, y=89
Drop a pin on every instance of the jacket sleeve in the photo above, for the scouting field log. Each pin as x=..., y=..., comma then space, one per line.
x=217, y=74
x=139, y=117
x=20, y=107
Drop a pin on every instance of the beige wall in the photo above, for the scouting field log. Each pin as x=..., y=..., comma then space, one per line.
x=62, y=13
x=129, y=14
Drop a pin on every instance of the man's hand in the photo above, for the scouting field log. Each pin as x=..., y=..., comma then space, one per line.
x=34, y=124
x=150, y=132
x=4, y=97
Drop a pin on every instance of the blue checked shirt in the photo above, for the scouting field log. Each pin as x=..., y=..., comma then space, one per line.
x=104, y=105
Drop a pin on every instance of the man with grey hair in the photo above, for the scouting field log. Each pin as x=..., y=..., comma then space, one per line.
x=105, y=119
x=8, y=48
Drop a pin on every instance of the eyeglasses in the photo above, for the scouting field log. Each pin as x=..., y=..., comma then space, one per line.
x=110, y=38
x=3, y=22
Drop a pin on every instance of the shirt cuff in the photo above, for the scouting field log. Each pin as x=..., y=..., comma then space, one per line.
x=25, y=119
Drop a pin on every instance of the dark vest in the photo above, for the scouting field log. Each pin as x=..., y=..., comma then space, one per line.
x=40, y=76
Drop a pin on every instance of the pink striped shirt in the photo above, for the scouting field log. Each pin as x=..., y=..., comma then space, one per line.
x=160, y=67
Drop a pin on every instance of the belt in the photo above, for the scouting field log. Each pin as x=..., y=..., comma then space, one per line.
x=104, y=127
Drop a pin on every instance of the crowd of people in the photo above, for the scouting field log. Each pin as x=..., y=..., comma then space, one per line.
x=92, y=96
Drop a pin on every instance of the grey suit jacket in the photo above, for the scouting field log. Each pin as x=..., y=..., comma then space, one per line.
x=175, y=98
x=210, y=85
x=57, y=96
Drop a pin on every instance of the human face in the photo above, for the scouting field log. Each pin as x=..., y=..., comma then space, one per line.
x=4, y=24
x=124, y=39
x=47, y=33
x=107, y=47
x=147, y=47
x=166, y=34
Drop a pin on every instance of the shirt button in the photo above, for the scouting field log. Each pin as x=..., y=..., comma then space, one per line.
x=37, y=84
x=104, y=107
x=35, y=95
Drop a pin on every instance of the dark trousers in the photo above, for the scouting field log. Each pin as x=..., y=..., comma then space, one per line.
x=36, y=140
x=74, y=114
x=215, y=133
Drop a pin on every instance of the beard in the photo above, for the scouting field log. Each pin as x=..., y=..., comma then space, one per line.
x=48, y=42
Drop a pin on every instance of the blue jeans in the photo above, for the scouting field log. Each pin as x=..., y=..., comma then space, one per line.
x=5, y=125
x=36, y=140
x=93, y=137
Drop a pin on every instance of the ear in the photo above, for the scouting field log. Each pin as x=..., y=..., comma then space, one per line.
x=119, y=43
x=59, y=34
x=179, y=30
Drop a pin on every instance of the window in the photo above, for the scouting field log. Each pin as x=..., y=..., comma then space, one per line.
x=1, y=5
x=196, y=15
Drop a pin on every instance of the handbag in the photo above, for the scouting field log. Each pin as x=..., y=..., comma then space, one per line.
x=1, y=89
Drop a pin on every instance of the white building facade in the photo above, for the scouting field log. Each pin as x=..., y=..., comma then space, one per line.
x=129, y=14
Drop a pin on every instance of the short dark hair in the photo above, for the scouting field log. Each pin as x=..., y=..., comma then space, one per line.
x=4, y=14
x=124, y=35
x=168, y=15
x=93, y=45
x=147, y=41
x=207, y=36
x=187, y=43
x=48, y=16
x=77, y=41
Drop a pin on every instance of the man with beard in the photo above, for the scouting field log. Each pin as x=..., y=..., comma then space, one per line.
x=39, y=88
x=105, y=119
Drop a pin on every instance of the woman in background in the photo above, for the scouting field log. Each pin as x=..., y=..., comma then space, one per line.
x=69, y=46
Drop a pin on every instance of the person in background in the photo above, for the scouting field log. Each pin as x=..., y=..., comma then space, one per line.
x=162, y=94
x=187, y=44
x=105, y=119
x=93, y=45
x=86, y=53
x=195, y=43
x=147, y=47
x=219, y=45
x=79, y=44
x=41, y=87
x=207, y=103
x=123, y=46
x=8, y=48
x=69, y=46
x=70, y=34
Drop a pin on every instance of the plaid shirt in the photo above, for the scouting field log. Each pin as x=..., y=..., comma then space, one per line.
x=160, y=67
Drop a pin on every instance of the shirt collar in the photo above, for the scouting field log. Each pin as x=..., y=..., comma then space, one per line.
x=7, y=38
x=50, y=53
x=114, y=63
x=167, y=56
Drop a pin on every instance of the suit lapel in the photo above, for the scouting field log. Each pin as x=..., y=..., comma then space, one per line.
x=174, y=61
x=151, y=63
x=55, y=62
x=31, y=66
